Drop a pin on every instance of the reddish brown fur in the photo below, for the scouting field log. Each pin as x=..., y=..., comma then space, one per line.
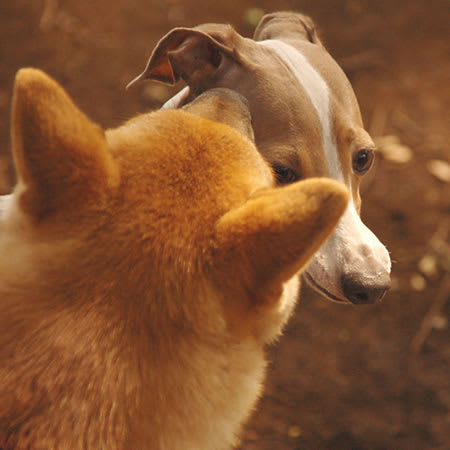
x=142, y=271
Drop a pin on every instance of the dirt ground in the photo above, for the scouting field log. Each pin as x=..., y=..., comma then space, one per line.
x=341, y=377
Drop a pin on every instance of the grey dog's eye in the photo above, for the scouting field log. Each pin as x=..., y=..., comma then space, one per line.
x=285, y=175
x=362, y=161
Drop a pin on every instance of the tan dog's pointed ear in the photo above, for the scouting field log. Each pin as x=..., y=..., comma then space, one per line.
x=269, y=239
x=224, y=106
x=189, y=53
x=61, y=157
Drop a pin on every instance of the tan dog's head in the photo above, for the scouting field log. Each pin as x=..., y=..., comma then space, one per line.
x=170, y=200
x=306, y=120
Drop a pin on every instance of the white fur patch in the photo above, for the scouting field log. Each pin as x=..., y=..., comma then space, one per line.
x=272, y=325
x=175, y=101
x=5, y=204
x=317, y=91
x=289, y=296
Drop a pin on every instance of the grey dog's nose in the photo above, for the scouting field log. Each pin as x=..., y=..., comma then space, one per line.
x=360, y=291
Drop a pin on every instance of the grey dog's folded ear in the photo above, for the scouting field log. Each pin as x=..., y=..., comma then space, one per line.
x=190, y=53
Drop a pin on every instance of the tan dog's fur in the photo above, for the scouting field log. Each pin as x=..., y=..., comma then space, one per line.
x=142, y=270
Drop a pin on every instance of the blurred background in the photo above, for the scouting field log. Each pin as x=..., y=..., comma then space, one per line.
x=342, y=377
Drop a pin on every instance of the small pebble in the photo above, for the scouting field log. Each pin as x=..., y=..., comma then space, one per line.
x=418, y=282
x=392, y=150
x=294, y=431
x=428, y=265
x=252, y=16
x=439, y=169
x=439, y=322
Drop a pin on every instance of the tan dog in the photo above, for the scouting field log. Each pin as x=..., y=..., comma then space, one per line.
x=307, y=123
x=142, y=270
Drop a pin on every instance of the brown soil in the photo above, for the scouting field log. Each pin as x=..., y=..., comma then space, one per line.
x=341, y=377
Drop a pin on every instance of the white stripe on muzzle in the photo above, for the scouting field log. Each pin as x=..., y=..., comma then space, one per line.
x=317, y=91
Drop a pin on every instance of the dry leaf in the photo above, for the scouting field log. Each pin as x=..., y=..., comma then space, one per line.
x=428, y=265
x=417, y=282
x=252, y=16
x=439, y=322
x=440, y=169
x=392, y=150
x=294, y=431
